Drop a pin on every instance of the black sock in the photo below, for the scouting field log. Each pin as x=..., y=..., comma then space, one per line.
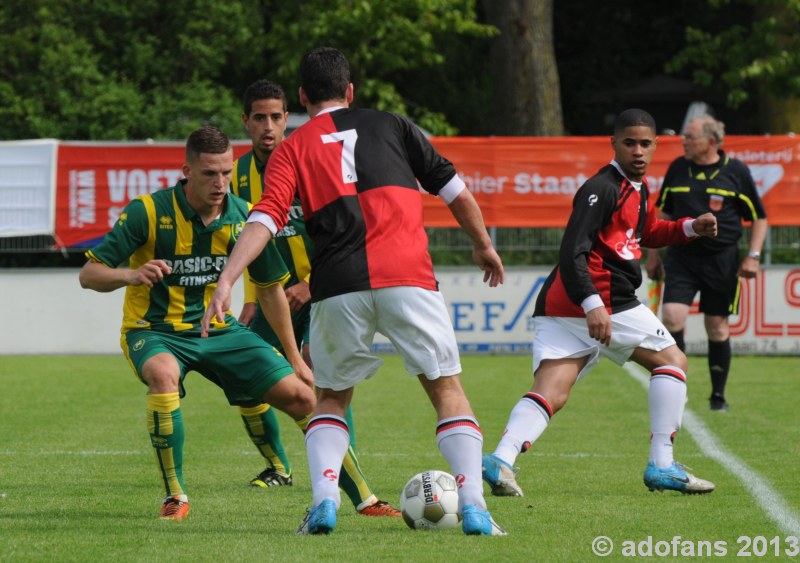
x=719, y=363
x=678, y=336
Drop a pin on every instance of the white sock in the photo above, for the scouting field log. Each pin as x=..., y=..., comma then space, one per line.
x=528, y=419
x=667, y=398
x=327, y=440
x=461, y=443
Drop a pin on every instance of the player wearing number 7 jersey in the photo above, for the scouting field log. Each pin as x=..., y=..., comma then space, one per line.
x=264, y=118
x=356, y=172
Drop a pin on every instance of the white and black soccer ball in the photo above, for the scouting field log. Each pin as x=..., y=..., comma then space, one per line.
x=429, y=501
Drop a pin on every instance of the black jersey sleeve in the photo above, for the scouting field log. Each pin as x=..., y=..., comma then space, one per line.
x=592, y=208
x=432, y=170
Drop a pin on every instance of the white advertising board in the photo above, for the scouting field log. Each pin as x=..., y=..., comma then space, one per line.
x=53, y=315
x=498, y=320
x=27, y=177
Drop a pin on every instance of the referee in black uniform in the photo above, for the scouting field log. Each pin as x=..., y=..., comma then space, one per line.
x=706, y=179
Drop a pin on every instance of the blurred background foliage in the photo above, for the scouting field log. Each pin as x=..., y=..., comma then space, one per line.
x=108, y=70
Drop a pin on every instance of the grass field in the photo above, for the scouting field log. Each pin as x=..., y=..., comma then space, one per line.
x=78, y=481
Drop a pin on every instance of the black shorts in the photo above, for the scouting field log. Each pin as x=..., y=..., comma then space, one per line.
x=715, y=276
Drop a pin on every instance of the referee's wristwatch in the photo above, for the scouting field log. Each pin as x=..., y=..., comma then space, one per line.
x=754, y=255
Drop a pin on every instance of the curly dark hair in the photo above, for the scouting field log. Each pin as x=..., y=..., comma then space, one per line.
x=262, y=90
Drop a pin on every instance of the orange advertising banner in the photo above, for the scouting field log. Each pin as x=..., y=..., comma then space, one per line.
x=530, y=181
x=518, y=181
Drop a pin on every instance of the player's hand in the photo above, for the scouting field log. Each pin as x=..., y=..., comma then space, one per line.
x=217, y=307
x=705, y=225
x=248, y=313
x=599, y=323
x=303, y=372
x=748, y=268
x=298, y=295
x=489, y=261
x=149, y=274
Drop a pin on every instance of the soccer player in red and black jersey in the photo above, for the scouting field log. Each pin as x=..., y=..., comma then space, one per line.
x=588, y=308
x=265, y=118
x=356, y=171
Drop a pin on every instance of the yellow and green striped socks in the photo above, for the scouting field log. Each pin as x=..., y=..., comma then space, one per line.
x=165, y=424
x=264, y=430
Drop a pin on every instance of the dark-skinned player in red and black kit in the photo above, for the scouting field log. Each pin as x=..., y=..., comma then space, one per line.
x=588, y=308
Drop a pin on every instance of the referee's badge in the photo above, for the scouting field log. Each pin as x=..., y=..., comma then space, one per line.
x=715, y=202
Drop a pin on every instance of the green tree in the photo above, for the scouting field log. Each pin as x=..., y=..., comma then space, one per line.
x=758, y=57
x=384, y=40
x=100, y=69
x=103, y=69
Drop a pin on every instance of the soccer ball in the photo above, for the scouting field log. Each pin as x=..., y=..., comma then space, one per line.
x=429, y=501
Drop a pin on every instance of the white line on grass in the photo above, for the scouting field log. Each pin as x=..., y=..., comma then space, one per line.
x=771, y=502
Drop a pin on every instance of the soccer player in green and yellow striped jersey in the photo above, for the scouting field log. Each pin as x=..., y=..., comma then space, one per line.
x=176, y=242
x=264, y=118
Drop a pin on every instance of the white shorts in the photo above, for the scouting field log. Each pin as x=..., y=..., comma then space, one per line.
x=557, y=338
x=415, y=320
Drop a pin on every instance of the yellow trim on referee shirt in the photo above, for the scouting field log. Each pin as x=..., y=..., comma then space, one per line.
x=750, y=206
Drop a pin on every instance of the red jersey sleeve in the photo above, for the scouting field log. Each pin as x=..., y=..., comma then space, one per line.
x=280, y=186
x=659, y=232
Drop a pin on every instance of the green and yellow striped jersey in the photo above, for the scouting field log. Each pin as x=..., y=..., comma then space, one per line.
x=292, y=241
x=163, y=226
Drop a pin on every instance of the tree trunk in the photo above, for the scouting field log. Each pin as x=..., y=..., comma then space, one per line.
x=779, y=116
x=525, y=73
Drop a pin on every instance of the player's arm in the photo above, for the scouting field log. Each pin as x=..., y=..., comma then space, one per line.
x=275, y=307
x=437, y=176
x=598, y=323
x=750, y=264
x=658, y=232
x=592, y=208
x=466, y=211
x=654, y=265
x=250, y=302
x=298, y=295
x=103, y=278
x=267, y=217
x=751, y=207
x=130, y=232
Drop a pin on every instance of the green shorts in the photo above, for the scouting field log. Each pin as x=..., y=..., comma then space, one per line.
x=301, y=322
x=235, y=359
